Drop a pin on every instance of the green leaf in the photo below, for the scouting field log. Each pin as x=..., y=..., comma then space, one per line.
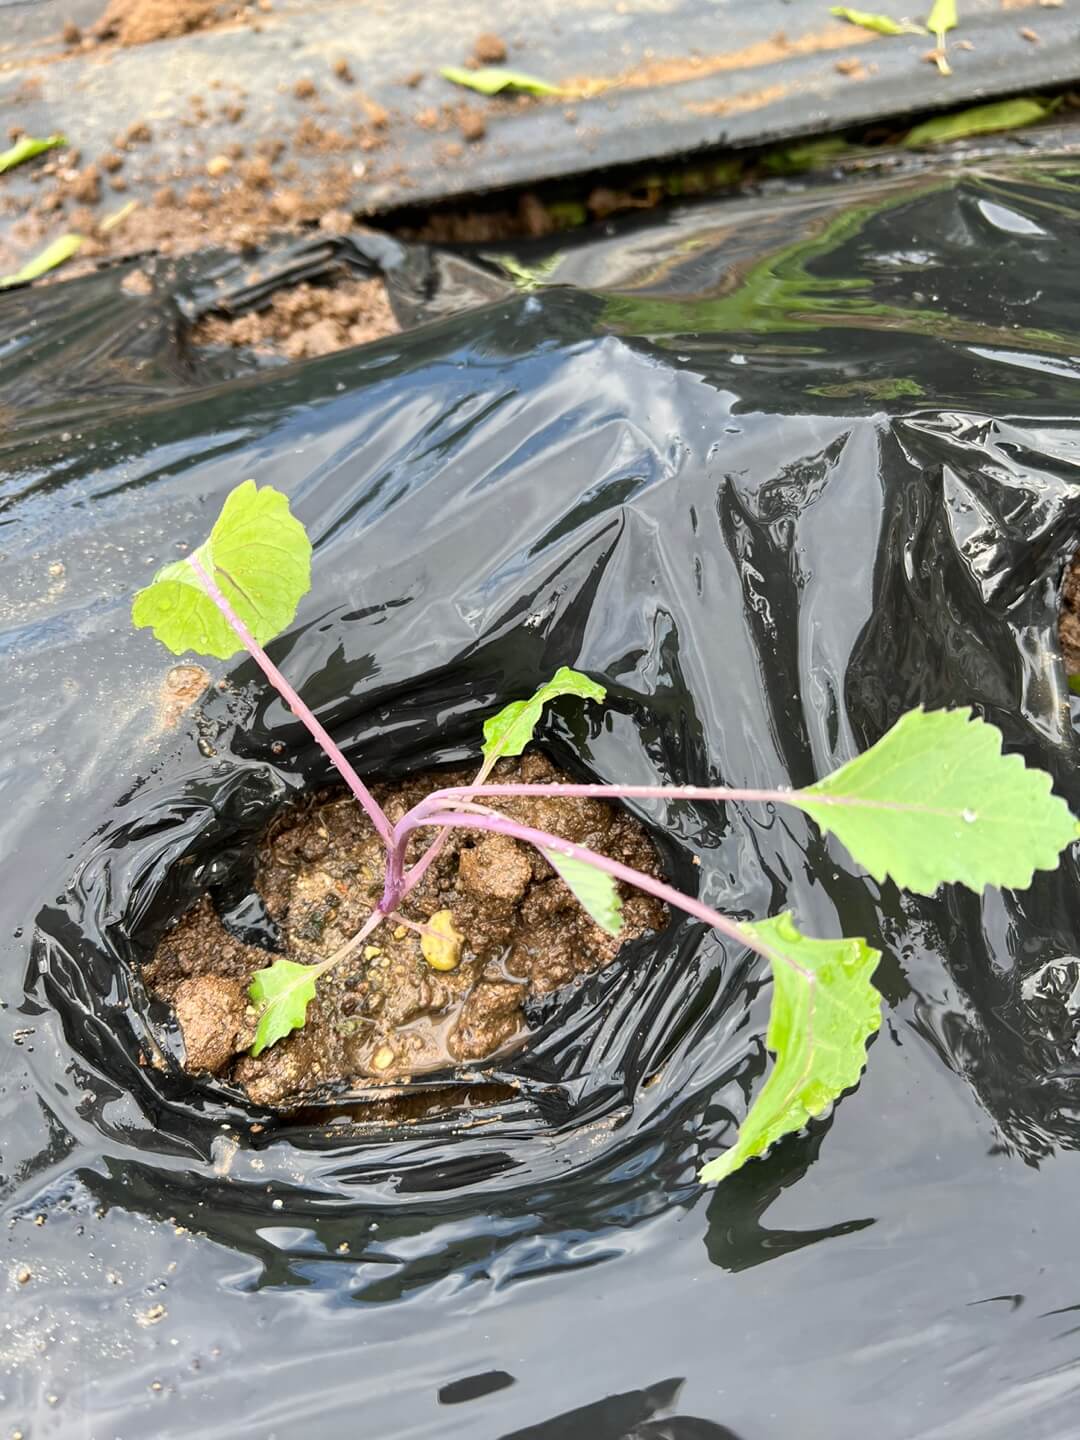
x=1074, y=684
x=942, y=18
x=935, y=802
x=872, y=389
x=529, y=277
x=803, y=155
x=44, y=261
x=282, y=992
x=883, y=24
x=595, y=890
x=260, y=557
x=491, y=80
x=26, y=148
x=980, y=120
x=508, y=732
x=824, y=1009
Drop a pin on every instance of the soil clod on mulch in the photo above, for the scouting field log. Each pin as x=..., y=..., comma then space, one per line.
x=141, y=22
x=385, y=1014
x=489, y=49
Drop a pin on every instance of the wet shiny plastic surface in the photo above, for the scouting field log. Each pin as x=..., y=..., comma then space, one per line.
x=776, y=472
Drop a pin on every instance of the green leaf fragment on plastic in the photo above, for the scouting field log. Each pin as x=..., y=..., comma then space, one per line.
x=529, y=277
x=883, y=24
x=48, y=259
x=282, y=992
x=935, y=802
x=872, y=389
x=260, y=557
x=594, y=889
x=490, y=80
x=26, y=148
x=981, y=120
x=508, y=732
x=824, y=1009
x=803, y=155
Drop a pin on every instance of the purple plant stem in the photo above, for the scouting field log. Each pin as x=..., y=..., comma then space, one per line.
x=798, y=799
x=608, y=792
x=454, y=798
x=395, y=860
x=542, y=840
x=318, y=732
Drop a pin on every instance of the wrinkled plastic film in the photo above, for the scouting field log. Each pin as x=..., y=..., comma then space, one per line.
x=775, y=475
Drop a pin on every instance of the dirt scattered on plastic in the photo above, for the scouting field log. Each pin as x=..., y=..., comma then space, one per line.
x=384, y=1014
x=182, y=686
x=306, y=320
x=472, y=122
x=740, y=104
x=677, y=70
x=237, y=195
x=853, y=68
x=236, y=199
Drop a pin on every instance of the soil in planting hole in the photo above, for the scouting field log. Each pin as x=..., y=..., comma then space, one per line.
x=306, y=320
x=1069, y=618
x=385, y=1014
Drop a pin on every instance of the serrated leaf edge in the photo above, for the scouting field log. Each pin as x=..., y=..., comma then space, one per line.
x=726, y=1164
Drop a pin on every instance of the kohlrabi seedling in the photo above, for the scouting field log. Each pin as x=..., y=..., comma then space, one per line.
x=934, y=802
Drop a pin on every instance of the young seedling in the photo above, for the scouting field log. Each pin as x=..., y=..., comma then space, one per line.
x=933, y=802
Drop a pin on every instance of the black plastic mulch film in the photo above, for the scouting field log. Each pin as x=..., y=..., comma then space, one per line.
x=776, y=471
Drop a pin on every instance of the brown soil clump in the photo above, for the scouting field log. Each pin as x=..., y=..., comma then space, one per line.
x=385, y=1014
x=489, y=49
x=471, y=122
x=140, y=22
x=306, y=321
x=1069, y=617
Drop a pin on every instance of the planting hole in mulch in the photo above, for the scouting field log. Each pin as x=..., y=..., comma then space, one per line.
x=1069, y=617
x=385, y=1014
x=305, y=321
